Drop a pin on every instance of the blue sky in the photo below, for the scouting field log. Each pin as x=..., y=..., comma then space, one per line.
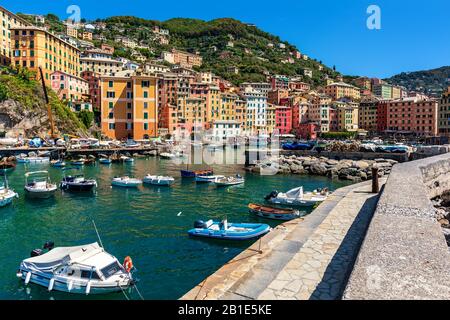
x=414, y=35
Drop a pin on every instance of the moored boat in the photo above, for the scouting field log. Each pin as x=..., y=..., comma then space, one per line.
x=167, y=155
x=105, y=161
x=208, y=179
x=77, y=183
x=158, y=180
x=296, y=197
x=7, y=195
x=85, y=269
x=126, y=182
x=58, y=163
x=273, y=213
x=40, y=185
x=194, y=173
x=228, y=231
x=229, y=181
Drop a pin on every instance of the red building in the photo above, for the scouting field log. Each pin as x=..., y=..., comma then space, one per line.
x=308, y=131
x=283, y=119
x=299, y=86
x=299, y=114
x=93, y=80
x=167, y=102
x=408, y=116
x=275, y=96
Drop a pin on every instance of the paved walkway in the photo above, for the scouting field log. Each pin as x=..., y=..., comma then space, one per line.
x=306, y=258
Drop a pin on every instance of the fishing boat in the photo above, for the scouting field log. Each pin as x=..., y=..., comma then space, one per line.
x=208, y=179
x=126, y=159
x=105, y=160
x=228, y=231
x=85, y=269
x=297, y=197
x=194, y=173
x=40, y=185
x=80, y=162
x=22, y=158
x=58, y=163
x=167, y=155
x=77, y=183
x=273, y=213
x=7, y=195
x=37, y=159
x=126, y=182
x=158, y=180
x=229, y=181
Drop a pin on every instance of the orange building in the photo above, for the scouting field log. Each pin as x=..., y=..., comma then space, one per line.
x=129, y=106
x=8, y=21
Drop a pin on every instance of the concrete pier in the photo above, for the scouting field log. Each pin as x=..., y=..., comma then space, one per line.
x=307, y=258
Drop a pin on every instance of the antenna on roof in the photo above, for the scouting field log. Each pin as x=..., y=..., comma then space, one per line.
x=98, y=235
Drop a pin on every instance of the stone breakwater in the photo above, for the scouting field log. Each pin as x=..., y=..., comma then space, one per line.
x=355, y=171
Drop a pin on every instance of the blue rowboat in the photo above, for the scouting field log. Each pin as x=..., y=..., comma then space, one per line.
x=228, y=231
x=105, y=160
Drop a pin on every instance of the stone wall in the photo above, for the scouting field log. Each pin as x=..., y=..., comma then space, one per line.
x=404, y=254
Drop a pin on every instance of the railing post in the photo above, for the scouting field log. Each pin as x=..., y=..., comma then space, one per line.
x=375, y=184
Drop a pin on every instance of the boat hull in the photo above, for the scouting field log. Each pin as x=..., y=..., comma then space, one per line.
x=295, y=202
x=273, y=213
x=156, y=182
x=71, y=187
x=126, y=184
x=7, y=200
x=254, y=231
x=227, y=184
x=40, y=194
x=193, y=174
x=43, y=279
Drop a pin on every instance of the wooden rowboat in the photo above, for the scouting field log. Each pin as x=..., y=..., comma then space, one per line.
x=273, y=213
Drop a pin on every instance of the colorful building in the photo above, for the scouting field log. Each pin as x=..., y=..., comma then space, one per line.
x=275, y=96
x=367, y=115
x=68, y=87
x=8, y=21
x=263, y=87
x=191, y=114
x=283, y=119
x=256, y=111
x=129, y=106
x=347, y=115
x=35, y=47
x=307, y=131
x=167, y=102
x=382, y=90
x=340, y=90
x=444, y=114
x=279, y=82
x=93, y=80
x=300, y=114
x=182, y=58
x=408, y=116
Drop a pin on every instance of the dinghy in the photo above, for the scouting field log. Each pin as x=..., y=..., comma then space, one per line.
x=297, y=197
x=58, y=163
x=166, y=155
x=229, y=181
x=85, y=269
x=158, y=180
x=40, y=185
x=273, y=213
x=126, y=182
x=228, y=231
x=193, y=173
x=7, y=195
x=80, y=162
x=77, y=183
x=105, y=161
x=208, y=179
x=22, y=158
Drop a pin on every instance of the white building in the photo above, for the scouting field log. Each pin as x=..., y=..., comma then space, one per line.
x=308, y=73
x=256, y=111
x=225, y=129
x=264, y=87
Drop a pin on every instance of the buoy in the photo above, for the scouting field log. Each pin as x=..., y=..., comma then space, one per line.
x=51, y=284
x=88, y=287
x=28, y=277
x=19, y=274
x=70, y=286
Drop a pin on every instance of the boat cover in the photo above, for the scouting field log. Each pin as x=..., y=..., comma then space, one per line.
x=62, y=255
x=296, y=193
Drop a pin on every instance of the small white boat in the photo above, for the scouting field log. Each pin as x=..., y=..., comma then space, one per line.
x=167, y=155
x=38, y=159
x=105, y=161
x=229, y=181
x=7, y=195
x=126, y=182
x=79, y=162
x=57, y=163
x=40, y=186
x=208, y=179
x=86, y=269
x=296, y=197
x=126, y=159
x=22, y=158
x=158, y=180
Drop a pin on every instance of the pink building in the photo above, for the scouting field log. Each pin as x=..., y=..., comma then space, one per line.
x=308, y=131
x=69, y=87
x=299, y=114
x=283, y=119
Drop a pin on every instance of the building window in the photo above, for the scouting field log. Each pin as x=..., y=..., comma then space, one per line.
x=112, y=126
x=145, y=126
x=145, y=115
x=110, y=84
x=111, y=105
x=111, y=115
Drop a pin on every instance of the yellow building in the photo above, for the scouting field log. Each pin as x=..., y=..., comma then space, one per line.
x=34, y=47
x=226, y=110
x=340, y=90
x=129, y=106
x=8, y=21
x=270, y=120
x=347, y=115
x=367, y=114
x=240, y=116
x=72, y=31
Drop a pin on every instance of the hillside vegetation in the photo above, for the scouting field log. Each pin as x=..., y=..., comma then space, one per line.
x=431, y=82
x=22, y=105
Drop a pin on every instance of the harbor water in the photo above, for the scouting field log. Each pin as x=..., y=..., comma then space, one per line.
x=149, y=224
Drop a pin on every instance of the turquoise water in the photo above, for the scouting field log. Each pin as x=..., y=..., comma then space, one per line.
x=144, y=224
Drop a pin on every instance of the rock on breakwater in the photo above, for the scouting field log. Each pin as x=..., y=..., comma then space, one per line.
x=355, y=171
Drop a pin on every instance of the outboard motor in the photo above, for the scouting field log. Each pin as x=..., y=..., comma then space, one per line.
x=271, y=195
x=36, y=252
x=49, y=245
x=199, y=224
